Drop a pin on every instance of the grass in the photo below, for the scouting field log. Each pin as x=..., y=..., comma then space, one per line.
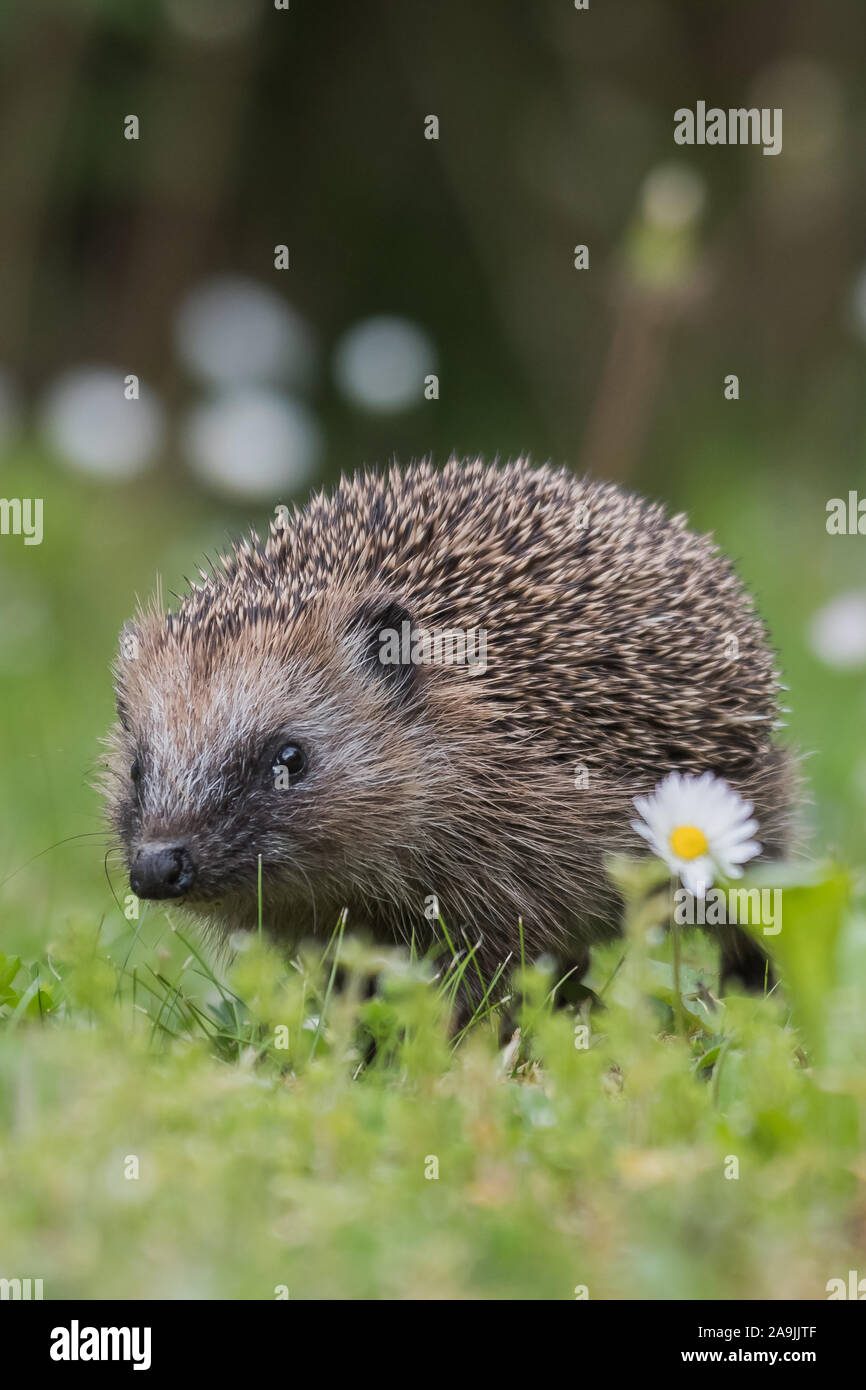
x=171, y=1131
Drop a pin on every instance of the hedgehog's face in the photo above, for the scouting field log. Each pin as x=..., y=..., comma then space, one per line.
x=302, y=749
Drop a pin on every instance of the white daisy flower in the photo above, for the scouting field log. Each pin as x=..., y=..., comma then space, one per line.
x=699, y=827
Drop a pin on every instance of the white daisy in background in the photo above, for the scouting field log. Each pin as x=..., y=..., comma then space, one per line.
x=699, y=827
x=380, y=363
x=92, y=425
x=837, y=632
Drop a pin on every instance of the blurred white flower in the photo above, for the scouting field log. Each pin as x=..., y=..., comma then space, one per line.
x=699, y=826
x=673, y=196
x=252, y=443
x=380, y=363
x=91, y=425
x=232, y=331
x=837, y=632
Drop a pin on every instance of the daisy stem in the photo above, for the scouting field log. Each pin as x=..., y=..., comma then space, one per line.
x=679, y=1013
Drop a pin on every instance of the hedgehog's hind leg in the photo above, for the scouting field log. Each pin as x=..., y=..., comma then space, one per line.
x=571, y=991
x=743, y=964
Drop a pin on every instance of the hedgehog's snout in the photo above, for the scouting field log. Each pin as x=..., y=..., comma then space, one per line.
x=162, y=870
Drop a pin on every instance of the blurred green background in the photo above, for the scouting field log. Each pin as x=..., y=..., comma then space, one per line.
x=409, y=256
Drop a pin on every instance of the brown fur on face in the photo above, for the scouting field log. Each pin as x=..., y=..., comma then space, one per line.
x=608, y=647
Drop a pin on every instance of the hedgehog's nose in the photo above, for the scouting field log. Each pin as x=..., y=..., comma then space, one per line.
x=162, y=871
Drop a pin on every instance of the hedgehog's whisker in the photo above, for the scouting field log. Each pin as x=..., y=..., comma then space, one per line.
x=306, y=879
x=112, y=849
x=68, y=839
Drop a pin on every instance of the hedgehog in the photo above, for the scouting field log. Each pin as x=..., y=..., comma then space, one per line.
x=440, y=687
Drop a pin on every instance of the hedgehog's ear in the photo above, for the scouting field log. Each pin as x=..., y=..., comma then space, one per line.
x=381, y=626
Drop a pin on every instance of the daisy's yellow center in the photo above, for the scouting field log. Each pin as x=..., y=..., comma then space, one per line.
x=687, y=842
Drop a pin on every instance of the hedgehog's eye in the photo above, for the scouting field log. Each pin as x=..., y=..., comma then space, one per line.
x=135, y=771
x=290, y=762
